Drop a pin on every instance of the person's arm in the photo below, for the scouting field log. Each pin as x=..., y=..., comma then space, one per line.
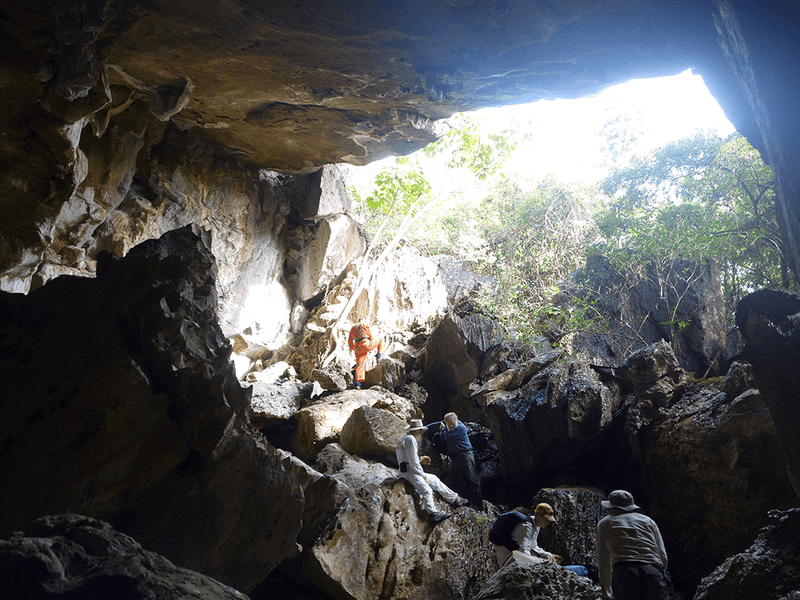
x=660, y=545
x=461, y=437
x=536, y=548
x=523, y=535
x=603, y=562
x=350, y=338
x=434, y=427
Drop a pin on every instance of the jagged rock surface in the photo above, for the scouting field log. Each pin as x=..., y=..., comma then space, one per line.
x=519, y=579
x=713, y=459
x=640, y=311
x=381, y=544
x=142, y=421
x=770, y=568
x=78, y=557
x=770, y=323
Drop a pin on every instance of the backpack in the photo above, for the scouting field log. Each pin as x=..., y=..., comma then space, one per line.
x=500, y=532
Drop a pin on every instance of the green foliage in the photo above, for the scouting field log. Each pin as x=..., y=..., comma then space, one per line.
x=699, y=198
x=407, y=184
x=659, y=216
x=464, y=147
x=537, y=239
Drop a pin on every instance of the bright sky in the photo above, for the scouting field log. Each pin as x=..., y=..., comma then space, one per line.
x=563, y=132
x=564, y=138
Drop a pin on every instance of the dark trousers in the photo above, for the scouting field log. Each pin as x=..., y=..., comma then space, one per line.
x=467, y=475
x=639, y=581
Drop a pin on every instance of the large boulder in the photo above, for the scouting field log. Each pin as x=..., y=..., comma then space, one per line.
x=141, y=421
x=770, y=568
x=654, y=374
x=770, y=323
x=455, y=350
x=713, y=460
x=79, y=557
x=336, y=242
x=680, y=302
x=380, y=542
x=372, y=432
x=523, y=579
x=560, y=413
x=577, y=510
x=321, y=422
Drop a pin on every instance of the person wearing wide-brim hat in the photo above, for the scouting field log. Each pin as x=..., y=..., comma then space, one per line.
x=631, y=557
x=425, y=484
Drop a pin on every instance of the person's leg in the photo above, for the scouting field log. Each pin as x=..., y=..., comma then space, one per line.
x=654, y=583
x=361, y=366
x=423, y=490
x=460, y=478
x=445, y=492
x=625, y=582
x=473, y=480
x=503, y=554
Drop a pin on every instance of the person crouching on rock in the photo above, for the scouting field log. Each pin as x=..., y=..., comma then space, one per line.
x=526, y=536
x=424, y=483
x=362, y=342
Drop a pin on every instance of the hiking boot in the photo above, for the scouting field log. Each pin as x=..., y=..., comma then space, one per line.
x=358, y=385
x=438, y=517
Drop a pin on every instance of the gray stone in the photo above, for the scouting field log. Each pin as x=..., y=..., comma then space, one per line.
x=521, y=579
x=372, y=432
x=80, y=557
x=768, y=569
x=710, y=445
x=275, y=403
x=769, y=322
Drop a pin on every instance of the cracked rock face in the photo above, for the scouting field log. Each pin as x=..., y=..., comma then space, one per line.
x=71, y=555
x=90, y=88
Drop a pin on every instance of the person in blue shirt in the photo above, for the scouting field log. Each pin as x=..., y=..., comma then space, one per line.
x=456, y=440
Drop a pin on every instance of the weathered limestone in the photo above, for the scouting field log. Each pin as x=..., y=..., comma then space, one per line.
x=454, y=352
x=680, y=302
x=770, y=323
x=405, y=290
x=141, y=421
x=321, y=422
x=654, y=374
x=380, y=542
x=712, y=459
x=770, y=568
x=561, y=412
x=522, y=579
x=336, y=243
x=372, y=432
x=80, y=557
x=577, y=510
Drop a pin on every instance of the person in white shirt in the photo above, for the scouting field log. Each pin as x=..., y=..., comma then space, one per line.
x=526, y=535
x=425, y=484
x=630, y=552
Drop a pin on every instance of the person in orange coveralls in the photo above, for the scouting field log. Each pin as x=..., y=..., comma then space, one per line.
x=362, y=342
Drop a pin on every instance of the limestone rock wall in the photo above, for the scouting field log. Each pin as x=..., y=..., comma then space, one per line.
x=88, y=87
x=141, y=421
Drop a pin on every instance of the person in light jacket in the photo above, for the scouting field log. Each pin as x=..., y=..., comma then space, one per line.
x=425, y=484
x=630, y=552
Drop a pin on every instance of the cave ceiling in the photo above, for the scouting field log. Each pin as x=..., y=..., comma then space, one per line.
x=293, y=86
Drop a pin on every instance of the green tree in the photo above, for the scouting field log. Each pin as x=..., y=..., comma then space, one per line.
x=698, y=198
x=537, y=238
